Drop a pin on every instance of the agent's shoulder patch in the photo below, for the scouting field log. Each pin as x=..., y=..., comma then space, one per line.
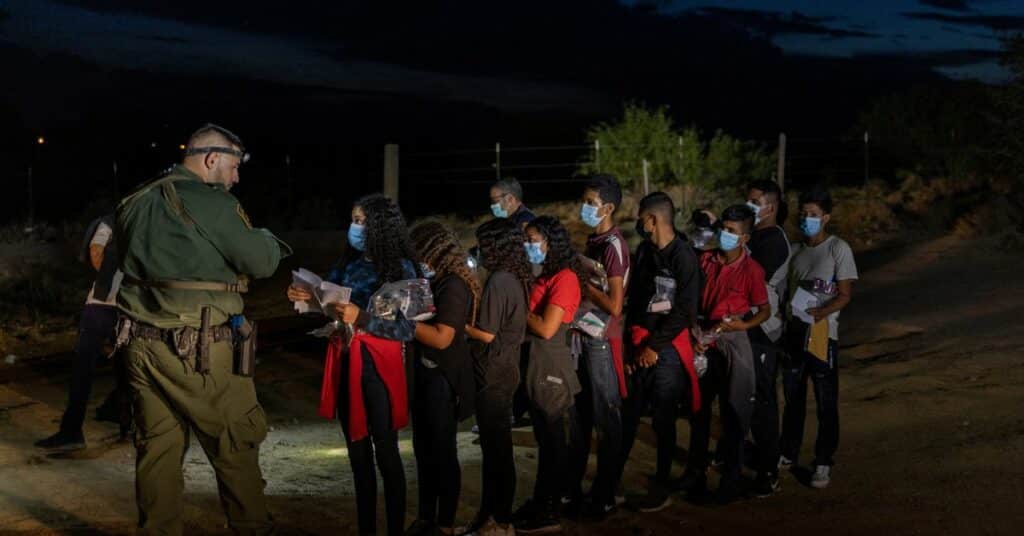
x=243, y=215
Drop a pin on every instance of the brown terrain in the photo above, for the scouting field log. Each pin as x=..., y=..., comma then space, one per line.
x=932, y=385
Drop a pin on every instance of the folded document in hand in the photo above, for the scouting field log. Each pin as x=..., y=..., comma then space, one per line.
x=324, y=293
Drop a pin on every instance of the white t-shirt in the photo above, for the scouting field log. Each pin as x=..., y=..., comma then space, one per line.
x=831, y=260
x=100, y=238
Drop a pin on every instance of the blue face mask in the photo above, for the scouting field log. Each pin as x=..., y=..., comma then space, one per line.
x=810, y=226
x=727, y=241
x=427, y=272
x=589, y=215
x=534, y=253
x=499, y=211
x=357, y=236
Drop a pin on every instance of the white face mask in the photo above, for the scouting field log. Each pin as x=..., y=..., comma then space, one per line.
x=757, y=211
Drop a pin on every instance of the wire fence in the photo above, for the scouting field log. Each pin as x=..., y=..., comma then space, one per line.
x=431, y=181
x=467, y=172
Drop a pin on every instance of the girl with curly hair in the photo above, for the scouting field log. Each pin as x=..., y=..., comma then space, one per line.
x=497, y=336
x=443, y=386
x=364, y=381
x=551, y=380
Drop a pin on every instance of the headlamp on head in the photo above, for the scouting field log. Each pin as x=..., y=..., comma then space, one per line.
x=242, y=155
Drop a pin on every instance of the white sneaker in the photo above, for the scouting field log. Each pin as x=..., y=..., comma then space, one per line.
x=822, y=476
x=785, y=463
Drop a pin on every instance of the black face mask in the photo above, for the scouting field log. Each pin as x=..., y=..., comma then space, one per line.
x=640, y=231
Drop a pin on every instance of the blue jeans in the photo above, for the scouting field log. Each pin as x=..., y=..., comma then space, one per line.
x=798, y=368
x=599, y=406
x=661, y=388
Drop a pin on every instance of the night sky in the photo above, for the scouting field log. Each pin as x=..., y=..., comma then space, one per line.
x=339, y=79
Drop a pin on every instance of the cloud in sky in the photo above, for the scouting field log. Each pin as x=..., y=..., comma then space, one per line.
x=951, y=5
x=992, y=22
x=774, y=23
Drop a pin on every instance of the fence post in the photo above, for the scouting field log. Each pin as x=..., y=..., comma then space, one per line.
x=597, y=154
x=647, y=184
x=780, y=175
x=866, y=160
x=497, y=161
x=391, y=171
x=31, y=203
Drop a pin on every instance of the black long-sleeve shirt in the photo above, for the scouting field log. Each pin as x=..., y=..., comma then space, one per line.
x=677, y=261
x=770, y=248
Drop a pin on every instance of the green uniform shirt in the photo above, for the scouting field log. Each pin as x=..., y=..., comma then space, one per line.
x=178, y=228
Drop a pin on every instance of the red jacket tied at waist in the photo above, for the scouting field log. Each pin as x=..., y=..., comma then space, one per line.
x=387, y=359
x=682, y=345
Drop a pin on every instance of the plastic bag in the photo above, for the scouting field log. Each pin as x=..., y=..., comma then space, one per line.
x=664, y=294
x=704, y=337
x=595, y=272
x=591, y=320
x=412, y=297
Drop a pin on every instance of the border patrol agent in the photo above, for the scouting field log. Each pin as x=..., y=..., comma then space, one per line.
x=186, y=243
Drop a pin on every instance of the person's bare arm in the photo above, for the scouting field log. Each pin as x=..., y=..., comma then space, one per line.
x=436, y=336
x=96, y=255
x=547, y=325
x=842, y=299
x=611, y=302
x=738, y=324
x=475, y=333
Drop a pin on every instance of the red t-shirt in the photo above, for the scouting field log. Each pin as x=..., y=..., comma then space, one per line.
x=731, y=289
x=561, y=289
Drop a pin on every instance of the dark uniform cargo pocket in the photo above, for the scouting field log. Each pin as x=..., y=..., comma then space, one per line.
x=248, y=431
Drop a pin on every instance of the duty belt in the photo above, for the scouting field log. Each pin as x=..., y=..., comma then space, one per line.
x=190, y=344
x=221, y=333
x=241, y=287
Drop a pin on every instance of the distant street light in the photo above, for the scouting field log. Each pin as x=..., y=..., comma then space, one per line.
x=40, y=140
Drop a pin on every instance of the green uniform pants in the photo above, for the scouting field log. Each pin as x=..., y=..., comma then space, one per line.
x=171, y=400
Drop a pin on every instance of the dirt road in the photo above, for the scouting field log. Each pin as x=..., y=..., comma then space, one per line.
x=932, y=383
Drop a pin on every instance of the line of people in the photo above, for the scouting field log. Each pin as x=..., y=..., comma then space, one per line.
x=684, y=322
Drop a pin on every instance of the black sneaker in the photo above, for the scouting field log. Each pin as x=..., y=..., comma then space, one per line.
x=421, y=527
x=60, y=441
x=572, y=507
x=691, y=484
x=728, y=492
x=543, y=522
x=767, y=484
x=526, y=512
x=595, y=512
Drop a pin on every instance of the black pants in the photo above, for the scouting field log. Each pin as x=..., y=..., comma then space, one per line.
x=552, y=434
x=663, y=387
x=799, y=367
x=715, y=384
x=381, y=446
x=434, y=425
x=95, y=327
x=764, y=426
x=498, y=490
x=521, y=400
